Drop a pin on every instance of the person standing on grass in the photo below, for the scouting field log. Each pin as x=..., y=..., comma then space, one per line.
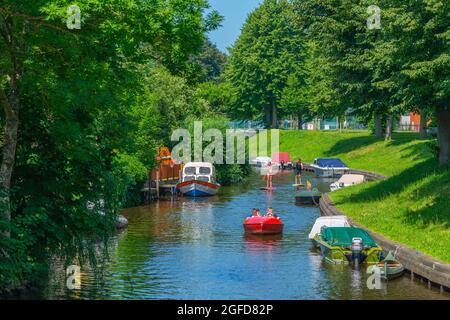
x=298, y=171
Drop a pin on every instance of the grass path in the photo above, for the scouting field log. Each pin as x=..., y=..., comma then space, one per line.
x=411, y=207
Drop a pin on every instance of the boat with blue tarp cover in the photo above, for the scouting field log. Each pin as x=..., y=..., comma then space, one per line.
x=329, y=167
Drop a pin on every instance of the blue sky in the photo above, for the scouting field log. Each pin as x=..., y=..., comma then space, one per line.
x=235, y=13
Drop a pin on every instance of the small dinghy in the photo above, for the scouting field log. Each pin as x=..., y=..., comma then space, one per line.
x=390, y=268
x=263, y=225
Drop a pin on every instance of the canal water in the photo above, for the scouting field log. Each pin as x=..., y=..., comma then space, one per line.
x=196, y=249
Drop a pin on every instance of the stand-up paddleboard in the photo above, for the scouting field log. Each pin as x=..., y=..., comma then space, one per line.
x=267, y=189
x=298, y=185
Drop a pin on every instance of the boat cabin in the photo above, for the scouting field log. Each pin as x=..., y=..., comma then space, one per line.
x=199, y=171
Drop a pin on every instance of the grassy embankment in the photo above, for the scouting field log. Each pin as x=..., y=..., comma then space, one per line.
x=411, y=207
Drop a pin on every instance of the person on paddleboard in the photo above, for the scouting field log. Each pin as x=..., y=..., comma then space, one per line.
x=269, y=176
x=298, y=171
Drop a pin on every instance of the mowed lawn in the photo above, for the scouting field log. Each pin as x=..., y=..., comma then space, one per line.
x=411, y=207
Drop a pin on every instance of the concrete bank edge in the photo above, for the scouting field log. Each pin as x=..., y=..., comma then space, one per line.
x=416, y=262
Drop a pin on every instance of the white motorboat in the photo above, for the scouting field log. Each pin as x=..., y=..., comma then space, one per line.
x=347, y=180
x=329, y=167
x=328, y=221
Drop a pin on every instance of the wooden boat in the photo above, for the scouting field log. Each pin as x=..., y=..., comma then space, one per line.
x=198, y=180
x=344, y=245
x=308, y=197
x=263, y=225
x=326, y=222
x=390, y=268
x=329, y=167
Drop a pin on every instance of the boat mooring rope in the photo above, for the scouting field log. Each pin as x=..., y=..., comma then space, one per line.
x=314, y=200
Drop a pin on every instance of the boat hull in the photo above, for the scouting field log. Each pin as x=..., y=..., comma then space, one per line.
x=329, y=172
x=388, y=271
x=195, y=188
x=342, y=255
x=307, y=200
x=263, y=226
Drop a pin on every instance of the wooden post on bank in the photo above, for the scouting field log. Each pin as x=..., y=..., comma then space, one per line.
x=157, y=183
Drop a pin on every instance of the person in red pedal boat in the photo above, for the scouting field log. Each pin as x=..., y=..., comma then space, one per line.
x=270, y=213
x=255, y=212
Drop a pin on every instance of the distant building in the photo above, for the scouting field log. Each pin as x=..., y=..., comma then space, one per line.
x=410, y=122
x=349, y=122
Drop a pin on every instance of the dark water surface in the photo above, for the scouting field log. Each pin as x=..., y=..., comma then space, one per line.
x=196, y=249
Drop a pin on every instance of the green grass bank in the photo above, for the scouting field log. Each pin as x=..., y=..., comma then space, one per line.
x=411, y=207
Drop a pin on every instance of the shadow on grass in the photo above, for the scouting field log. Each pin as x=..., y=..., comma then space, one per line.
x=351, y=144
x=438, y=211
x=435, y=193
x=416, y=152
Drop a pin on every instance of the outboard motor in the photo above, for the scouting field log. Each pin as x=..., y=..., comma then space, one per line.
x=357, y=250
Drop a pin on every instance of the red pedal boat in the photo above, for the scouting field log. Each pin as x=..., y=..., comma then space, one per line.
x=263, y=225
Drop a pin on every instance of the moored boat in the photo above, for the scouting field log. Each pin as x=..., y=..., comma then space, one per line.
x=347, y=180
x=260, y=161
x=263, y=225
x=326, y=222
x=344, y=245
x=198, y=180
x=308, y=197
x=329, y=167
x=390, y=268
x=283, y=159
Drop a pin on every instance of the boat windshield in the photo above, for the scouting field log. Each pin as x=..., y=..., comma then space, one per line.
x=203, y=178
x=205, y=170
x=189, y=170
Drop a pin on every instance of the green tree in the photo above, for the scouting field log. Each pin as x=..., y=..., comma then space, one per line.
x=421, y=37
x=209, y=63
x=267, y=52
x=73, y=90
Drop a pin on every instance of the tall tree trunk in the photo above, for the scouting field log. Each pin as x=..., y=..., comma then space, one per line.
x=11, y=109
x=443, y=115
x=268, y=115
x=274, y=118
x=300, y=121
x=423, y=125
x=377, y=123
x=389, y=124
